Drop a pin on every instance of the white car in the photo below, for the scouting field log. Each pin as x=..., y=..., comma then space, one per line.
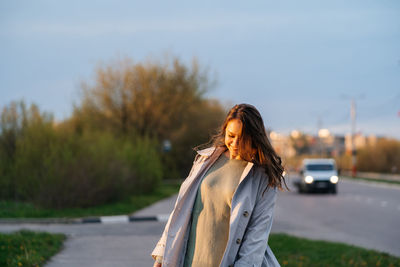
x=318, y=175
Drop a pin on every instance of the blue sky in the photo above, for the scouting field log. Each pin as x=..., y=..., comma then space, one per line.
x=298, y=62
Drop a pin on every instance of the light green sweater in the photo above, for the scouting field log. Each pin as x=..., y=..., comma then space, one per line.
x=211, y=212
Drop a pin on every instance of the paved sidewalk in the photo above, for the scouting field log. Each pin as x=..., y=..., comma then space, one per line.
x=128, y=244
x=162, y=208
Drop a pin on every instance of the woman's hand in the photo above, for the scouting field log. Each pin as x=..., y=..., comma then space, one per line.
x=158, y=262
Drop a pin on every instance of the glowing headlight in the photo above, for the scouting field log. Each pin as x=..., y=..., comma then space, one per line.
x=334, y=179
x=308, y=179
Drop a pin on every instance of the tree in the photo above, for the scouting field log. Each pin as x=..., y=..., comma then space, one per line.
x=165, y=101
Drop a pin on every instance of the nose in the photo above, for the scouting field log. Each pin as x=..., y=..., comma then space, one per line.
x=235, y=142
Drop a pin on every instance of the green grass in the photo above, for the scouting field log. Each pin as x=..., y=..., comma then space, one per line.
x=26, y=210
x=294, y=251
x=372, y=180
x=26, y=248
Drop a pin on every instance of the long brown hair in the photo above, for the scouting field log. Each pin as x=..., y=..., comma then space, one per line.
x=254, y=145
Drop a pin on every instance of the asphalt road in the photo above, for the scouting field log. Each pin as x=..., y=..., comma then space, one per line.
x=363, y=215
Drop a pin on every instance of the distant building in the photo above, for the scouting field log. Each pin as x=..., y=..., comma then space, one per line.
x=324, y=144
x=282, y=145
x=360, y=141
x=297, y=143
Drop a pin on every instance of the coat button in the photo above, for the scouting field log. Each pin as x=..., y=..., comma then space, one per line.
x=245, y=213
x=238, y=241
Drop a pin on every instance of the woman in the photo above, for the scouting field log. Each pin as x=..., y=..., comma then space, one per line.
x=224, y=210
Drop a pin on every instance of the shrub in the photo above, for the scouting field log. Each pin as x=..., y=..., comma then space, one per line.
x=56, y=168
x=384, y=157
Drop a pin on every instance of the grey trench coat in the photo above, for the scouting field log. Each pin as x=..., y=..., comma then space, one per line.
x=250, y=220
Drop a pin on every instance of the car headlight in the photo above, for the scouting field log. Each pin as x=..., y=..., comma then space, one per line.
x=309, y=179
x=334, y=179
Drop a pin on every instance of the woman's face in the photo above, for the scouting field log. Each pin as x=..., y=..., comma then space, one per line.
x=233, y=132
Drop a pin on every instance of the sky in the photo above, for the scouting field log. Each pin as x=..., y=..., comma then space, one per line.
x=301, y=63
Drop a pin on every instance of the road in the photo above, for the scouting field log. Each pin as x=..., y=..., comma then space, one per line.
x=363, y=215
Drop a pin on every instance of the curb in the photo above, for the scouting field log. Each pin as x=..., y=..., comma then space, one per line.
x=124, y=219
x=101, y=219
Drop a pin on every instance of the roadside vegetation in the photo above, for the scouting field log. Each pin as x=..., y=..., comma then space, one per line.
x=134, y=126
x=26, y=248
x=383, y=157
x=294, y=251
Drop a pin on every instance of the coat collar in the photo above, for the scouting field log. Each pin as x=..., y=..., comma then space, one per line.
x=207, y=152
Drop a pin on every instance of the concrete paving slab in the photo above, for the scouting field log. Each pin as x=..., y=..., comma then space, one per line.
x=163, y=207
x=105, y=251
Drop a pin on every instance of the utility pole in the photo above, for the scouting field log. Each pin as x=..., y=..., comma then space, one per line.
x=353, y=132
x=353, y=146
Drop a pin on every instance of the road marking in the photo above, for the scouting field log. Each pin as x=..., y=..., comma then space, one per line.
x=383, y=204
x=114, y=219
x=162, y=217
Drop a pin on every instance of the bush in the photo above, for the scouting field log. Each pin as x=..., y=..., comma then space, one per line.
x=14, y=119
x=383, y=157
x=54, y=168
x=59, y=171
